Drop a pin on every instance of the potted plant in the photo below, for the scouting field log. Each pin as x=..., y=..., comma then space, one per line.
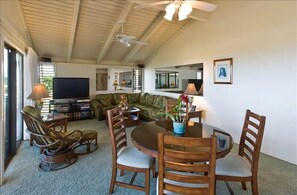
x=178, y=116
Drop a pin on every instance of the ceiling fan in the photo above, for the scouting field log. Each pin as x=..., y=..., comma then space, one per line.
x=126, y=40
x=182, y=7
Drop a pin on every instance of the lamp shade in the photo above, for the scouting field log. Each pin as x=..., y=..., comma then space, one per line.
x=115, y=83
x=123, y=83
x=191, y=89
x=38, y=92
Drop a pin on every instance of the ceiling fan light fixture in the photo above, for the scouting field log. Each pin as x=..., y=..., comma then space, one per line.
x=184, y=10
x=126, y=44
x=170, y=10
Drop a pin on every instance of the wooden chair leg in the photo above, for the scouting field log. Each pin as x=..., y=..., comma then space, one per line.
x=254, y=185
x=113, y=178
x=243, y=184
x=147, y=182
x=154, y=168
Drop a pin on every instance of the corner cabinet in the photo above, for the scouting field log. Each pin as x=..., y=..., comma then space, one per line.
x=77, y=110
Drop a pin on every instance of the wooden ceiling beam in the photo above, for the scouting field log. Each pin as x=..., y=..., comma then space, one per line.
x=144, y=38
x=73, y=29
x=126, y=9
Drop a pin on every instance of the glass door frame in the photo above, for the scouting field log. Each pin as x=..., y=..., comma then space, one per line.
x=12, y=120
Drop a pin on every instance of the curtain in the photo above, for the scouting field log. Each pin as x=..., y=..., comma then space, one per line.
x=30, y=77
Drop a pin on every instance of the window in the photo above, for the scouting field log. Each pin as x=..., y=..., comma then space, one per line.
x=137, y=79
x=46, y=74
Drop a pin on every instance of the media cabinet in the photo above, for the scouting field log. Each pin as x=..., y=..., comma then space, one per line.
x=74, y=109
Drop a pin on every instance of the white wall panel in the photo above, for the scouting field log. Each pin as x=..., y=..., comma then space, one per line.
x=260, y=36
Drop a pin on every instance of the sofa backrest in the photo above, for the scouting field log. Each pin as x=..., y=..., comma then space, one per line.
x=105, y=99
x=133, y=97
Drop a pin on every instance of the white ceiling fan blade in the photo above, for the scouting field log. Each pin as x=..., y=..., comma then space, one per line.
x=125, y=37
x=138, y=42
x=202, y=5
x=144, y=4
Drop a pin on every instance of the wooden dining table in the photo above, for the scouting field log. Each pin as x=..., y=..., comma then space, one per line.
x=145, y=136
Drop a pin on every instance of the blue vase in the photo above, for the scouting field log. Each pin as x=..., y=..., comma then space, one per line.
x=179, y=128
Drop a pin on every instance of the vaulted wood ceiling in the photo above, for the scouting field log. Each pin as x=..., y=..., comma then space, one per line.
x=82, y=31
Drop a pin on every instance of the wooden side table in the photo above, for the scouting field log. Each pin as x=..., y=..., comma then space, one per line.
x=194, y=114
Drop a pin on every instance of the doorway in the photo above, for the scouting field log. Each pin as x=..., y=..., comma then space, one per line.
x=13, y=101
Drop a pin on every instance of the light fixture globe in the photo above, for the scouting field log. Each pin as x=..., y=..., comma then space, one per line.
x=184, y=10
x=170, y=10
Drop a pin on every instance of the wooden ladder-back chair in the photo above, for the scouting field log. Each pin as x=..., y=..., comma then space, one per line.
x=126, y=157
x=57, y=148
x=183, y=169
x=244, y=166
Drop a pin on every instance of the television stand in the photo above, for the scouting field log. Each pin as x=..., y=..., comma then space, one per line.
x=75, y=110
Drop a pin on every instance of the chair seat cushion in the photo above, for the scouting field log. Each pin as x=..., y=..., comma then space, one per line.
x=233, y=165
x=130, y=156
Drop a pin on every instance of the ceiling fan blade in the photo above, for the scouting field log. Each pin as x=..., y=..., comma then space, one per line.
x=144, y=4
x=138, y=42
x=125, y=37
x=202, y=5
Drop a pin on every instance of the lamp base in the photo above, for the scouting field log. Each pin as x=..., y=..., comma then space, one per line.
x=39, y=104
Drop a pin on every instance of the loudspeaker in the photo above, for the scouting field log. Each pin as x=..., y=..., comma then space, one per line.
x=45, y=59
x=140, y=65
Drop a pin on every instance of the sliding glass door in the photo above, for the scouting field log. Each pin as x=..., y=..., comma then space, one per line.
x=13, y=96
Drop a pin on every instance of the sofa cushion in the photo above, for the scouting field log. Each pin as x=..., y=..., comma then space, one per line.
x=117, y=98
x=149, y=99
x=159, y=102
x=142, y=98
x=105, y=99
x=133, y=97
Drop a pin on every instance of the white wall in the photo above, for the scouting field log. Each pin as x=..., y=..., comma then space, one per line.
x=89, y=71
x=12, y=31
x=260, y=36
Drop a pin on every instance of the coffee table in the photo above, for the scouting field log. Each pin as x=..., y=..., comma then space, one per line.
x=131, y=117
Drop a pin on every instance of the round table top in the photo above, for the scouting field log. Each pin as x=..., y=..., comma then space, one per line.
x=131, y=110
x=145, y=136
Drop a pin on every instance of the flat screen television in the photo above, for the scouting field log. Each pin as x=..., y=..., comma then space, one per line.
x=66, y=87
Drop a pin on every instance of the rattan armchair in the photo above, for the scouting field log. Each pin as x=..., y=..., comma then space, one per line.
x=56, y=147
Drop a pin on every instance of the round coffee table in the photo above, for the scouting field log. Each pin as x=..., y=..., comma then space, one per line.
x=131, y=116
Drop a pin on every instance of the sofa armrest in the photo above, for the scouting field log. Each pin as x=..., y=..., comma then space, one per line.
x=97, y=109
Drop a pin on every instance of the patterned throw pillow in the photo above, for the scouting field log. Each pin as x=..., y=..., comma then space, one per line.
x=117, y=98
x=133, y=97
x=105, y=99
x=142, y=98
x=159, y=102
x=149, y=99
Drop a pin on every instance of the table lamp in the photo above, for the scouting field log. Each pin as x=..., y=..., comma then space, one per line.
x=37, y=94
x=191, y=90
x=115, y=84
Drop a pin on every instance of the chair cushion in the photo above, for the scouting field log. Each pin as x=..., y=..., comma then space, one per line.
x=130, y=156
x=184, y=184
x=233, y=165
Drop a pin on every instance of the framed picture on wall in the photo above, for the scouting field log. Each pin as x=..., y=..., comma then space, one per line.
x=223, y=71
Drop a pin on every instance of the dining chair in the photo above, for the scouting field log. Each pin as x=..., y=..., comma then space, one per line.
x=126, y=157
x=243, y=167
x=182, y=165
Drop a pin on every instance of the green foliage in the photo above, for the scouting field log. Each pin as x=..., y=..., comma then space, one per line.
x=48, y=82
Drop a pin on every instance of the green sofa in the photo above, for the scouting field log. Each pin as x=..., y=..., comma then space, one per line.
x=148, y=104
